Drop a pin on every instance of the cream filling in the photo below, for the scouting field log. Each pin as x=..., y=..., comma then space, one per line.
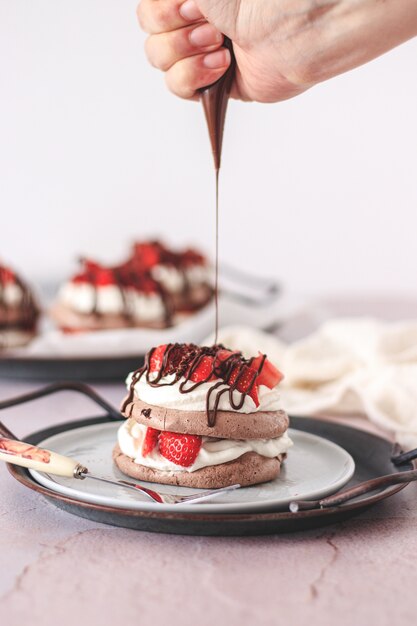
x=108, y=300
x=170, y=278
x=173, y=279
x=11, y=294
x=212, y=452
x=170, y=396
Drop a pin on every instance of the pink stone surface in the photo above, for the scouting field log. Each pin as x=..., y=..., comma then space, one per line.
x=60, y=569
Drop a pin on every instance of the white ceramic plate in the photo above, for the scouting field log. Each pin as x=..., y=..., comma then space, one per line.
x=314, y=468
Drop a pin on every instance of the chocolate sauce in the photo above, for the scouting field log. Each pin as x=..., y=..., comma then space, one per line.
x=214, y=99
x=182, y=360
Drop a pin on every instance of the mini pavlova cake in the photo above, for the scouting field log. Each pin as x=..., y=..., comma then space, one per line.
x=19, y=312
x=202, y=417
x=100, y=297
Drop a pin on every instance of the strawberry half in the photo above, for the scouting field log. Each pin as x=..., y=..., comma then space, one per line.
x=6, y=275
x=150, y=440
x=204, y=370
x=179, y=449
x=156, y=359
x=270, y=376
x=245, y=381
x=148, y=254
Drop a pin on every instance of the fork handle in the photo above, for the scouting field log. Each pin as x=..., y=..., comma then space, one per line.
x=39, y=459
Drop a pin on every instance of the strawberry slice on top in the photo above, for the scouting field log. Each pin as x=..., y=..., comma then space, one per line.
x=245, y=381
x=157, y=356
x=270, y=376
x=204, y=370
x=6, y=275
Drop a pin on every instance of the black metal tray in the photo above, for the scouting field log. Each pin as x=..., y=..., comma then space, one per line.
x=370, y=452
x=79, y=369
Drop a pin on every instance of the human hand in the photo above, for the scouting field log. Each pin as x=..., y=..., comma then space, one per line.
x=282, y=47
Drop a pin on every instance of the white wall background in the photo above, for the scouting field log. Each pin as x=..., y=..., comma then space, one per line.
x=94, y=152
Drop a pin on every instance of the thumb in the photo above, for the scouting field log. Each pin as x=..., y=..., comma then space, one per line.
x=221, y=13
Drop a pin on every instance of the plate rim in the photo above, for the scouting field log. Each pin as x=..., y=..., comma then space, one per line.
x=254, y=506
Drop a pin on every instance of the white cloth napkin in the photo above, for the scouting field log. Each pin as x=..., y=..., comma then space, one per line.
x=348, y=366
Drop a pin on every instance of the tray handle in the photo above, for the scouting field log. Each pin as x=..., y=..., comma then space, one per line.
x=55, y=388
x=403, y=457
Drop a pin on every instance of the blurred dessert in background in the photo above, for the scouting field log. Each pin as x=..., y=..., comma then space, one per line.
x=100, y=297
x=19, y=311
x=154, y=288
x=185, y=275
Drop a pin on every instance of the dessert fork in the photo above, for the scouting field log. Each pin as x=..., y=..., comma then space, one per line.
x=167, y=498
x=41, y=460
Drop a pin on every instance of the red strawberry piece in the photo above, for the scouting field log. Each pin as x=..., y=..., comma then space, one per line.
x=204, y=370
x=269, y=375
x=148, y=254
x=90, y=266
x=150, y=440
x=104, y=277
x=245, y=378
x=6, y=275
x=80, y=278
x=179, y=449
x=223, y=355
x=156, y=359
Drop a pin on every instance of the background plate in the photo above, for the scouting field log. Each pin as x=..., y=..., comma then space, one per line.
x=315, y=467
x=370, y=453
x=109, y=355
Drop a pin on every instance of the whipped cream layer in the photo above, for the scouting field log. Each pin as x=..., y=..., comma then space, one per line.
x=111, y=300
x=170, y=396
x=213, y=451
x=11, y=294
x=175, y=280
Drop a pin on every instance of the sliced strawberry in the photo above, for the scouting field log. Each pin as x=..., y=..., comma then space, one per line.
x=150, y=440
x=104, y=277
x=6, y=275
x=246, y=378
x=90, y=266
x=179, y=449
x=204, y=370
x=148, y=254
x=223, y=354
x=269, y=376
x=156, y=359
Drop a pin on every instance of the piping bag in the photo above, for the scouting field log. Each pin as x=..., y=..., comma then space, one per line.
x=214, y=99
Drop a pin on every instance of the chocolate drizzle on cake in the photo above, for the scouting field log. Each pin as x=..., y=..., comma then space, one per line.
x=180, y=361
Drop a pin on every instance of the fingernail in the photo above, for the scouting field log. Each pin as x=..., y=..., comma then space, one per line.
x=217, y=59
x=205, y=35
x=190, y=11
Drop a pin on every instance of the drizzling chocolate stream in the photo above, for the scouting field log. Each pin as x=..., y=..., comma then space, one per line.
x=214, y=99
